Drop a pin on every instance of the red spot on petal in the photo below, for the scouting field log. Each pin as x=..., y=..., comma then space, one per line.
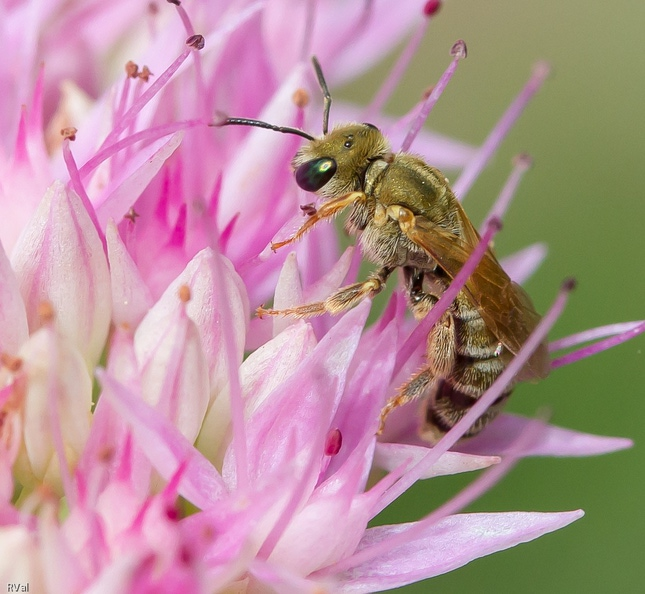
x=333, y=442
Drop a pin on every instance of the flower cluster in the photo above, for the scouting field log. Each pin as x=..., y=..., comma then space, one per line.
x=140, y=451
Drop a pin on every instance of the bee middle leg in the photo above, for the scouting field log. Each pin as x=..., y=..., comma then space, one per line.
x=343, y=299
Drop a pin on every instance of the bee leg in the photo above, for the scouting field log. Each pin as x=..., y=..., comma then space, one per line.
x=343, y=299
x=441, y=359
x=412, y=389
x=328, y=209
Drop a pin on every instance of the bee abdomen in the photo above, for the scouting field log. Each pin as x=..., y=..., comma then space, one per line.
x=446, y=405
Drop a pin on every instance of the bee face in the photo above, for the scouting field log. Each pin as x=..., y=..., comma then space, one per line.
x=335, y=163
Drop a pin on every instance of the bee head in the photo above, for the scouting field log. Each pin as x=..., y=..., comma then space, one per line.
x=335, y=164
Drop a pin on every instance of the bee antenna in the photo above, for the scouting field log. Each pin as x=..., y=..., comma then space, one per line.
x=226, y=121
x=325, y=92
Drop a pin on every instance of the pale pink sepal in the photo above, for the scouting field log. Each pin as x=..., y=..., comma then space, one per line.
x=59, y=258
x=64, y=569
x=131, y=298
x=205, y=307
x=174, y=372
x=13, y=317
x=390, y=455
x=445, y=546
x=271, y=364
x=20, y=560
x=53, y=369
x=288, y=293
x=165, y=446
x=505, y=430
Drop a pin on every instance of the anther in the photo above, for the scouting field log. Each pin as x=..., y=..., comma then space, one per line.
x=569, y=284
x=459, y=49
x=175, y=2
x=45, y=311
x=541, y=69
x=195, y=41
x=301, y=98
x=523, y=160
x=11, y=363
x=184, y=293
x=145, y=74
x=131, y=69
x=69, y=133
x=495, y=223
x=132, y=215
x=431, y=8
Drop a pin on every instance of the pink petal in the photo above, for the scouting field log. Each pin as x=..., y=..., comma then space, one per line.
x=273, y=363
x=286, y=582
x=288, y=293
x=20, y=561
x=62, y=568
x=13, y=318
x=174, y=373
x=311, y=539
x=371, y=35
x=165, y=447
x=304, y=403
x=131, y=298
x=445, y=546
x=214, y=287
x=364, y=396
x=59, y=258
x=391, y=455
x=56, y=376
x=501, y=434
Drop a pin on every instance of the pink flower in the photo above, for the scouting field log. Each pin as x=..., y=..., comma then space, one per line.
x=140, y=449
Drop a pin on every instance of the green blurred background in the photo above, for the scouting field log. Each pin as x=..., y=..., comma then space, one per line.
x=585, y=197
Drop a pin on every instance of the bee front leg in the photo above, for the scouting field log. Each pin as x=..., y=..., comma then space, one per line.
x=326, y=210
x=343, y=299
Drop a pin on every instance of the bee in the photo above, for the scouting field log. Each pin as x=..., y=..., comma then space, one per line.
x=408, y=217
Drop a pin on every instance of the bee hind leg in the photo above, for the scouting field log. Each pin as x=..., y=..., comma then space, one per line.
x=343, y=299
x=414, y=388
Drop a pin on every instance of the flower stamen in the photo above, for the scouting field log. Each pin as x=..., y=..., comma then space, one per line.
x=458, y=52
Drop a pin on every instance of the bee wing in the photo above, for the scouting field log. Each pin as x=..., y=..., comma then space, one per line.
x=503, y=305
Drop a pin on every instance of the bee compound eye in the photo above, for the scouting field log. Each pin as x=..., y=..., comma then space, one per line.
x=314, y=174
